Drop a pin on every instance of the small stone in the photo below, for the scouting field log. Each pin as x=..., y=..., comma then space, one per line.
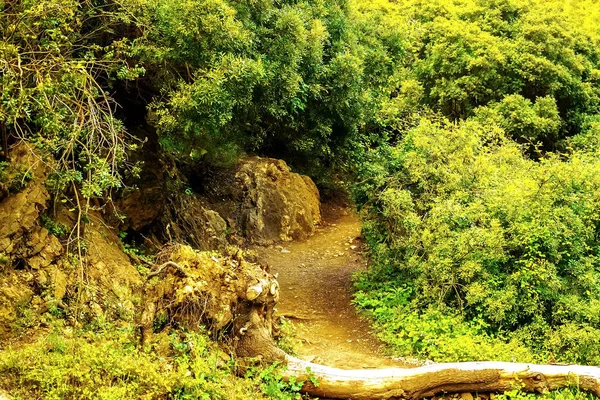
x=354, y=247
x=42, y=279
x=466, y=396
x=285, y=251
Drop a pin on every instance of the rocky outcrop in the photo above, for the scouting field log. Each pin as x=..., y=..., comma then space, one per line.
x=258, y=201
x=143, y=206
x=23, y=242
x=145, y=198
x=188, y=220
x=265, y=202
x=158, y=205
x=25, y=246
x=276, y=204
x=36, y=274
x=171, y=215
x=262, y=200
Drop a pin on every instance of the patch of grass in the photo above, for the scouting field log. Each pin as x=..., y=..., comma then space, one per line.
x=443, y=336
x=274, y=387
x=106, y=363
x=432, y=333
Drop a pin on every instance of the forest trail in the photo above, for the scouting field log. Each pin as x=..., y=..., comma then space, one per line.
x=315, y=276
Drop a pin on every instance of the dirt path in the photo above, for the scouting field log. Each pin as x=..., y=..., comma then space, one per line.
x=316, y=282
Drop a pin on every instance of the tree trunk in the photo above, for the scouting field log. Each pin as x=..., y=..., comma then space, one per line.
x=417, y=383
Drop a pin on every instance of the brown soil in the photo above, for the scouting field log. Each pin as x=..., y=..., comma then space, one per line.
x=316, y=292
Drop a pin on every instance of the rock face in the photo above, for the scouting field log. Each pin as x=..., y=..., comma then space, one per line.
x=158, y=206
x=275, y=203
x=23, y=242
x=172, y=216
x=35, y=274
x=26, y=248
x=258, y=201
x=188, y=220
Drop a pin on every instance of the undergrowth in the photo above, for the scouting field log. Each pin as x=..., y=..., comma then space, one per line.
x=444, y=336
x=106, y=363
x=433, y=333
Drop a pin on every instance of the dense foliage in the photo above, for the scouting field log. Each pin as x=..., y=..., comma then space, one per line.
x=470, y=130
x=472, y=53
x=474, y=226
x=57, y=59
x=481, y=235
x=291, y=79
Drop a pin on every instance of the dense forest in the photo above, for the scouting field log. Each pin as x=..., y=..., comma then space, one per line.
x=465, y=132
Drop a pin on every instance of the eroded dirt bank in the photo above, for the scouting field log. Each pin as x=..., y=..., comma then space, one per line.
x=316, y=284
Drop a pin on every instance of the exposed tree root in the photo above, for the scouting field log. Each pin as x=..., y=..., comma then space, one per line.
x=222, y=293
x=417, y=383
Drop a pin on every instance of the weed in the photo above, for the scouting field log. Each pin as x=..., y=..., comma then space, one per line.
x=287, y=340
x=13, y=177
x=106, y=364
x=55, y=228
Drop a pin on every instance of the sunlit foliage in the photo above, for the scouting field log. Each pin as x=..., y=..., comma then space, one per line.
x=475, y=227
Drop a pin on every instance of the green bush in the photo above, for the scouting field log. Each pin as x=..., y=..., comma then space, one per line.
x=458, y=212
x=290, y=79
x=524, y=121
x=472, y=52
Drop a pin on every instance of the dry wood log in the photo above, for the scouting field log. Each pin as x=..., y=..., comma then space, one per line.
x=416, y=383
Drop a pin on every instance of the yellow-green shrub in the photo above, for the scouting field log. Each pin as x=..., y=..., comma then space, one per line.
x=109, y=365
x=457, y=212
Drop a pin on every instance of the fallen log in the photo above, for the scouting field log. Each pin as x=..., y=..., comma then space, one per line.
x=427, y=381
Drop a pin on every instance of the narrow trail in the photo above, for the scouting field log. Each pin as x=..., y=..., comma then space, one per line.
x=316, y=285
